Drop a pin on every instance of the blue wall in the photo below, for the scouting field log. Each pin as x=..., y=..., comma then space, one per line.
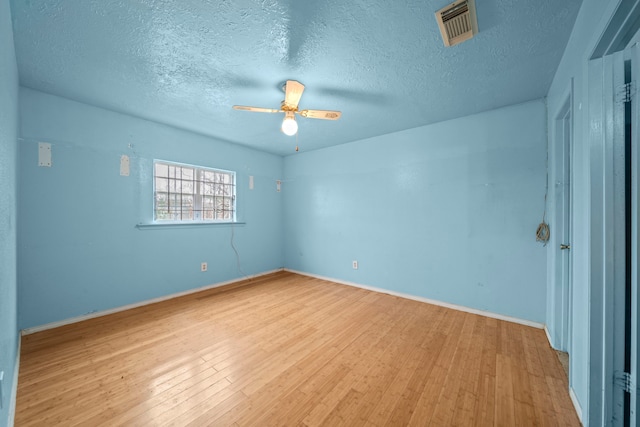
x=8, y=207
x=446, y=211
x=79, y=250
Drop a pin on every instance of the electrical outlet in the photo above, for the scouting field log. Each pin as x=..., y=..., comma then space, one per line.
x=355, y=265
x=203, y=266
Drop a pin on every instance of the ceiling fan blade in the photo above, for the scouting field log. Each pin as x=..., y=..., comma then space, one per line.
x=321, y=114
x=256, y=109
x=293, y=92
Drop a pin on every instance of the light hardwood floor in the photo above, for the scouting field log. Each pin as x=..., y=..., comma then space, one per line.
x=291, y=350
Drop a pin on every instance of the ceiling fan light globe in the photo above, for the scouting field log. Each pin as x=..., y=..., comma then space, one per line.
x=289, y=126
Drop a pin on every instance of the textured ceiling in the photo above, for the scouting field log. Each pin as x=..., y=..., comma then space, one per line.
x=382, y=63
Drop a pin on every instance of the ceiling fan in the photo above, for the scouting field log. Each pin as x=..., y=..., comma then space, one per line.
x=292, y=93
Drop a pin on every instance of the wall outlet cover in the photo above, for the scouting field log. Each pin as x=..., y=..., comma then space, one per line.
x=124, y=165
x=44, y=154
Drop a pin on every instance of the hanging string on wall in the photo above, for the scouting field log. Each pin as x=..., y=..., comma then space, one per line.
x=543, y=232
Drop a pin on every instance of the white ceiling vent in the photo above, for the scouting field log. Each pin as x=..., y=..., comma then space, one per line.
x=457, y=22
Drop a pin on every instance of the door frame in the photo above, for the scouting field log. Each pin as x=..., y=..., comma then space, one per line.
x=561, y=219
x=608, y=230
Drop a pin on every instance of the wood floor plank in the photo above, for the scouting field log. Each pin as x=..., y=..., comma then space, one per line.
x=467, y=400
x=455, y=371
x=286, y=349
x=486, y=376
x=446, y=340
x=505, y=412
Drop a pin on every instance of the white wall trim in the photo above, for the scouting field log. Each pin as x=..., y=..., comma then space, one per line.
x=546, y=331
x=426, y=300
x=88, y=316
x=576, y=404
x=14, y=386
x=572, y=395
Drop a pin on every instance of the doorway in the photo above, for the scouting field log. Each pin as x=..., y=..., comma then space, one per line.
x=561, y=235
x=567, y=208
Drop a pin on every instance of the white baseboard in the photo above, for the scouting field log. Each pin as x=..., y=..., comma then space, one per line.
x=426, y=300
x=576, y=404
x=88, y=316
x=572, y=395
x=14, y=386
x=546, y=331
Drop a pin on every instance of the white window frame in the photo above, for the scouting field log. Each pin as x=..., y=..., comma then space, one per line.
x=221, y=192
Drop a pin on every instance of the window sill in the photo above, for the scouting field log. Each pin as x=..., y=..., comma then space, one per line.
x=157, y=225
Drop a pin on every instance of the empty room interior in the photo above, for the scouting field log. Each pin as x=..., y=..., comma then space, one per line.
x=280, y=212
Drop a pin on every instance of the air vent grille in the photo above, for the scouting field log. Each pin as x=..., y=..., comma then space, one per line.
x=457, y=22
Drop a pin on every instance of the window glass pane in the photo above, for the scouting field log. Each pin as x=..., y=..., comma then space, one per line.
x=187, y=173
x=207, y=189
x=207, y=205
x=161, y=206
x=224, y=205
x=188, y=187
x=161, y=170
x=187, y=207
x=207, y=176
x=162, y=184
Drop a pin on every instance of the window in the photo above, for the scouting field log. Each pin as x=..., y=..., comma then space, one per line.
x=193, y=193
